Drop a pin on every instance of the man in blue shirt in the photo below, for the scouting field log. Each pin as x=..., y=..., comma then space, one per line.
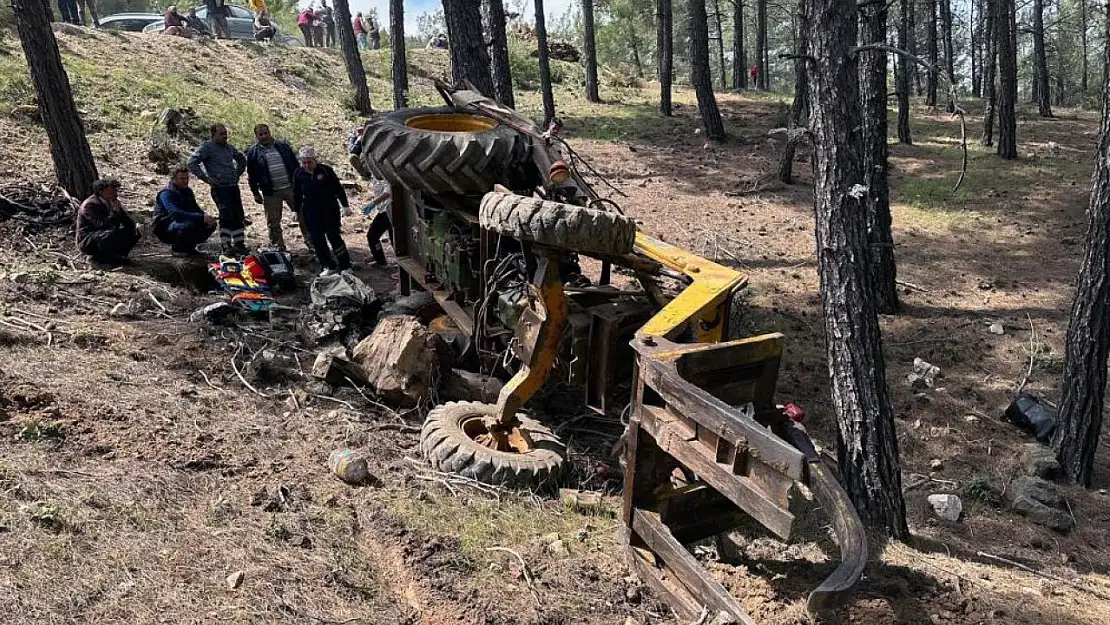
x=220, y=164
x=178, y=219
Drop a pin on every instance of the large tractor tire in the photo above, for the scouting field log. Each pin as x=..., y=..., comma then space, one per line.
x=555, y=224
x=447, y=442
x=438, y=151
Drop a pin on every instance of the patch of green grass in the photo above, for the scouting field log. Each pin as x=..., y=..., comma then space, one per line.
x=47, y=515
x=41, y=430
x=88, y=338
x=981, y=488
x=480, y=524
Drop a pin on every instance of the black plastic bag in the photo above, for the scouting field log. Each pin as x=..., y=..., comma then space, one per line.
x=1027, y=413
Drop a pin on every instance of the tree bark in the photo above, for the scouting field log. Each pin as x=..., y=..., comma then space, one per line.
x=949, y=55
x=911, y=32
x=1083, y=44
x=1007, y=80
x=545, y=66
x=720, y=44
x=666, y=56
x=469, y=59
x=397, y=52
x=700, y=77
x=69, y=148
x=867, y=443
x=351, y=57
x=589, y=50
x=990, y=45
x=739, y=59
x=799, y=110
x=762, y=80
x=976, y=45
x=931, y=53
x=902, y=81
x=500, y=70
x=1088, y=338
x=1040, y=60
x=873, y=74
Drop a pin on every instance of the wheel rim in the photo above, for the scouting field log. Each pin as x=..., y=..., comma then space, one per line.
x=515, y=441
x=451, y=122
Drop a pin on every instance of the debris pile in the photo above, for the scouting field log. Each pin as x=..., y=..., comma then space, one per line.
x=174, y=131
x=37, y=206
x=341, y=306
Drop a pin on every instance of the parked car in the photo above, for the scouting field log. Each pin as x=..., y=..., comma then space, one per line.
x=240, y=23
x=130, y=22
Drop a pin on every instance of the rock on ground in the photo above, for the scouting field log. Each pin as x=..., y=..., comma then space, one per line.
x=399, y=359
x=1039, y=461
x=947, y=507
x=462, y=385
x=1041, y=501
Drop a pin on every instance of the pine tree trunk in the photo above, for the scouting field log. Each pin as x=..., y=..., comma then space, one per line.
x=1040, y=58
x=902, y=81
x=634, y=45
x=867, y=443
x=990, y=45
x=949, y=56
x=397, y=52
x=720, y=37
x=1088, y=338
x=873, y=75
x=666, y=56
x=799, y=109
x=931, y=53
x=545, y=66
x=469, y=59
x=1083, y=44
x=739, y=59
x=761, y=44
x=700, y=77
x=351, y=58
x=589, y=50
x=976, y=40
x=500, y=71
x=1007, y=80
x=69, y=148
x=911, y=32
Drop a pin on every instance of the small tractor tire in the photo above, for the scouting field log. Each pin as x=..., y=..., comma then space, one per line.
x=438, y=151
x=565, y=226
x=449, y=448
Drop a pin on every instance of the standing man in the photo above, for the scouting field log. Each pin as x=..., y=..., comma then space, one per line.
x=270, y=168
x=104, y=230
x=218, y=163
x=374, y=34
x=359, y=26
x=68, y=9
x=317, y=195
x=304, y=22
x=217, y=18
x=88, y=7
x=328, y=17
x=178, y=219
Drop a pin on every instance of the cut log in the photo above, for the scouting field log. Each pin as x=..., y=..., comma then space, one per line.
x=335, y=369
x=399, y=359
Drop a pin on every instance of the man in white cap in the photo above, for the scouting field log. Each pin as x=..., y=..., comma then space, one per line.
x=317, y=197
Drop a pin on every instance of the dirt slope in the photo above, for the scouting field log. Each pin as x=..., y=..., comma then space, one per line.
x=137, y=472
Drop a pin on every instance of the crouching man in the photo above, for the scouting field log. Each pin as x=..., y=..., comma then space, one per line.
x=104, y=230
x=178, y=219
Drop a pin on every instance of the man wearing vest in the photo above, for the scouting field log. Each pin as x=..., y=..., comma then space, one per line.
x=178, y=219
x=270, y=167
x=220, y=164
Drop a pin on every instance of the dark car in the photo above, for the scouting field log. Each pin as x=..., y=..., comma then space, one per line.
x=129, y=22
x=240, y=23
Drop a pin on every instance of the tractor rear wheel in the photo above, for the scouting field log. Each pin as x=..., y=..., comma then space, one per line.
x=565, y=226
x=448, y=442
x=438, y=151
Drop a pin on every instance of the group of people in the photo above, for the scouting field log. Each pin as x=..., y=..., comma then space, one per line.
x=188, y=25
x=75, y=11
x=366, y=32
x=277, y=177
x=317, y=24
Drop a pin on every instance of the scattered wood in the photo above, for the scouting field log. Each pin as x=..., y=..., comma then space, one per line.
x=912, y=286
x=239, y=374
x=528, y=579
x=1032, y=354
x=335, y=368
x=1028, y=569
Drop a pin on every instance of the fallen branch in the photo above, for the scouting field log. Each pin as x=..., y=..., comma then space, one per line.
x=1087, y=589
x=1032, y=354
x=336, y=400
x=400, y=427
x=207, y=381
x=235, y=367
x=911, y=285
x=523, y=569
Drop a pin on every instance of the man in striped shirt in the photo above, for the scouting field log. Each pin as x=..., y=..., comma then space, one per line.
x=270, y=167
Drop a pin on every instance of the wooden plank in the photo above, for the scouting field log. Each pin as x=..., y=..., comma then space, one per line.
x=740, y=490
x=670, y=591
x=722, y=419
x=685, y=568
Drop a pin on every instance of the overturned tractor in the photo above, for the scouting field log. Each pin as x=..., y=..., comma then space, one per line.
x=493, y=220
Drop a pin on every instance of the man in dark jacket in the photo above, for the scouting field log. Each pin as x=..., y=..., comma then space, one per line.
x=217, y=18
x=104, y=230
x=327, y=16
x=178, y=219
x=270, y=167
x=317, y=195
x=220, y=164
